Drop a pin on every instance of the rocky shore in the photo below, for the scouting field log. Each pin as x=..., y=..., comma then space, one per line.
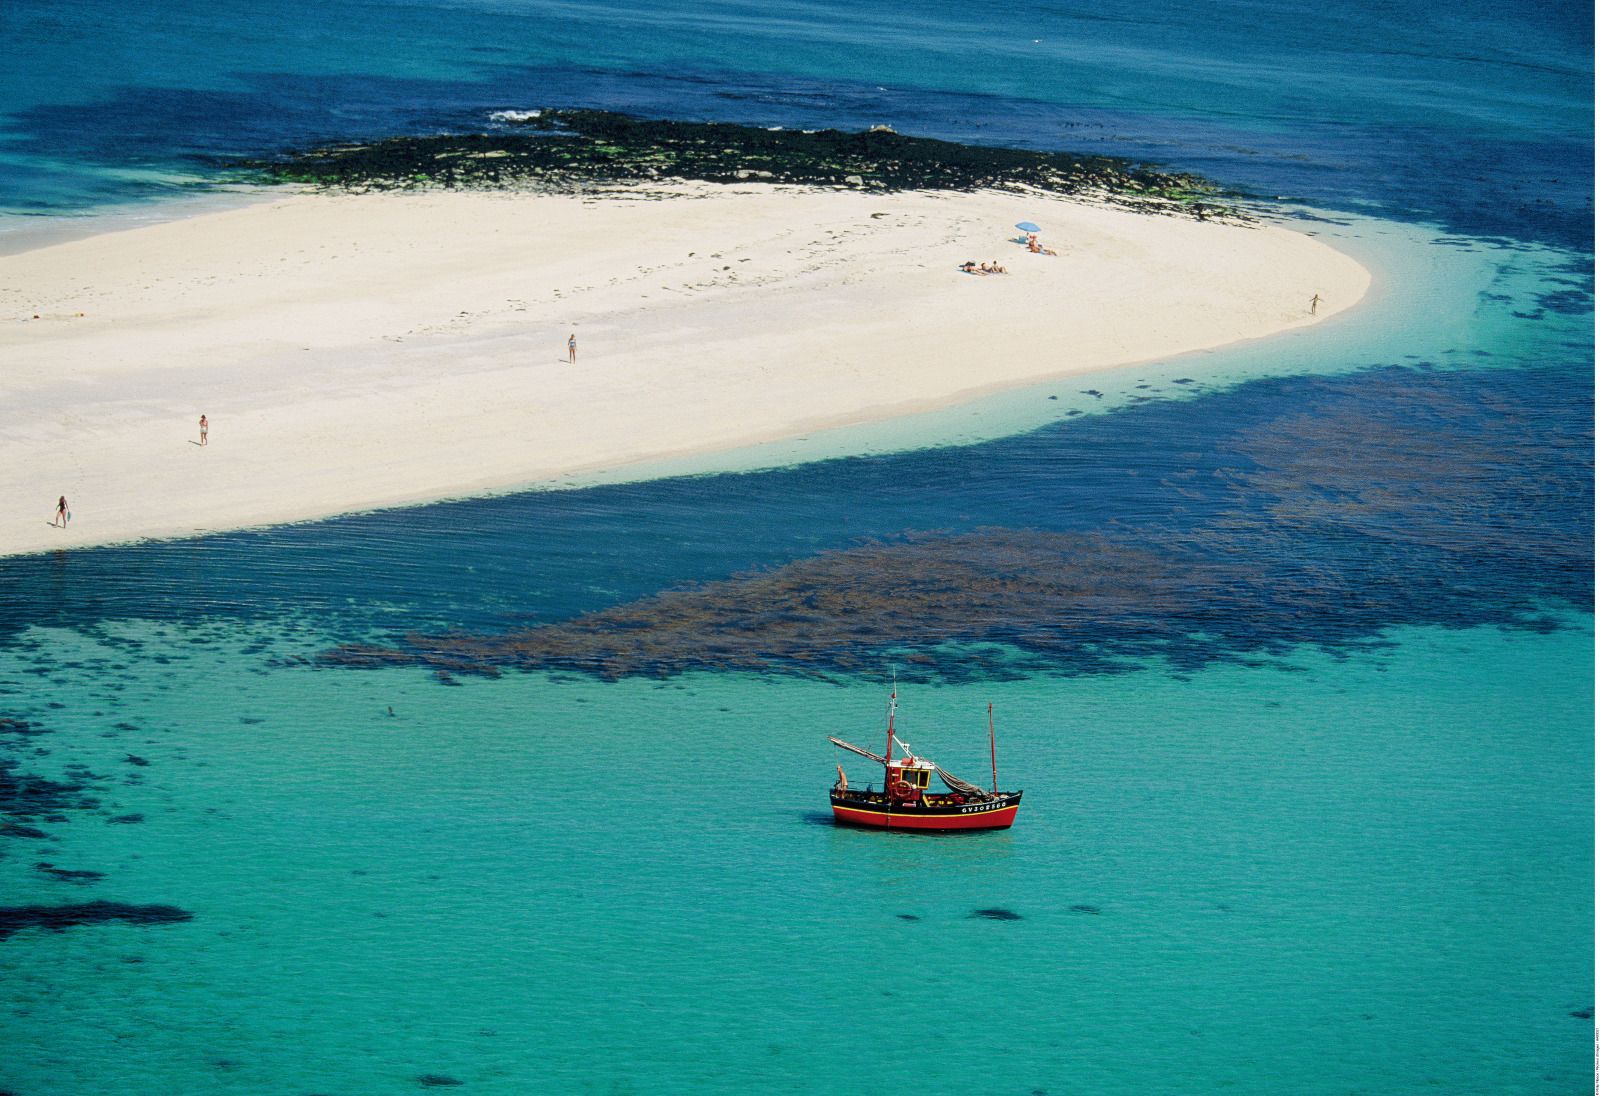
x=578, y=150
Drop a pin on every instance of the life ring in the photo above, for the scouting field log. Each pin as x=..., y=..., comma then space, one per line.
x=902, y=788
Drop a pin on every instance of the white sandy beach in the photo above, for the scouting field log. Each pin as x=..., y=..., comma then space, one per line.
x=359, y=351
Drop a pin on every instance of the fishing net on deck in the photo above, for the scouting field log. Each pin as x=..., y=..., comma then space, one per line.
x=956, y=784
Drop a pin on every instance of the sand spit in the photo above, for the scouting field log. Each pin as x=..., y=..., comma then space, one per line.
x=355, y=351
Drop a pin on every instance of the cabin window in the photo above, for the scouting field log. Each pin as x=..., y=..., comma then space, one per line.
x=918, y=777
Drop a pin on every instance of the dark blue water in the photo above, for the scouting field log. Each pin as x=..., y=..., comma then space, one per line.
x=1482, y=121
x=1189, y=481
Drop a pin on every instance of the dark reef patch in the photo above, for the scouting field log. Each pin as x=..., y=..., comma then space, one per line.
x=11, y=829
x=26, y=796
x=996, y=913
x=66, y=875
x=14, y=919
x=583, y=150
x=839, y=611
x=20, y=727
x=1321, y=511
x=437, y=1080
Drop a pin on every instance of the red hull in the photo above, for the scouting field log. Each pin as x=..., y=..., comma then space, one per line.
x=883, y=816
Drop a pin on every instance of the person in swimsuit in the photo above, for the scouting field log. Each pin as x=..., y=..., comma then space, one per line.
x=572, y=347
x=61, y=512
x=204, y=426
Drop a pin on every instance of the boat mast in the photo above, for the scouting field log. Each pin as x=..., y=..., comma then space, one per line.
x=888, y=749
x=994, y=767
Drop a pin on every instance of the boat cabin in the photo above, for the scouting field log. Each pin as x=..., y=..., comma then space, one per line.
x=908, y=778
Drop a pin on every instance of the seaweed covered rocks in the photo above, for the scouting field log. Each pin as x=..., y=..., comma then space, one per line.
x=581, y=150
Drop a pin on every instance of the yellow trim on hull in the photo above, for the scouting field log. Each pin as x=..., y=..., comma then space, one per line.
x=856, y=810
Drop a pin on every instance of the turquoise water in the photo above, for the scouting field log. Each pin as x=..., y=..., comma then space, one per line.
x=1314, y=874
x=1290, y=644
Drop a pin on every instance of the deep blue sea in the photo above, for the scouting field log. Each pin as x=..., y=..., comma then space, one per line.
x=1291, y=645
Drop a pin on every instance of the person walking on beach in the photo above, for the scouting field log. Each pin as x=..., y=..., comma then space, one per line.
x=63, y=515
x=572, y=348
x=1316, y=299
x=204, y=426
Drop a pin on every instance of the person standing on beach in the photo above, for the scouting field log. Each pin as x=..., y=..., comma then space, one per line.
x=572, y=348
x=204, y=426
x=1316, y=299
x=63, y=515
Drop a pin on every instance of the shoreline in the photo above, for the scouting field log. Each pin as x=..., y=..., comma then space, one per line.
x=36, y=232
x=364, y=352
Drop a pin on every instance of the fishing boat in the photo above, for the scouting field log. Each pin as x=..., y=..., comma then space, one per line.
x=905, y=803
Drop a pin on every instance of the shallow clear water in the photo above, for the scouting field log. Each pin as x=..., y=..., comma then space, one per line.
x=1299, y=681
x=1312, y=873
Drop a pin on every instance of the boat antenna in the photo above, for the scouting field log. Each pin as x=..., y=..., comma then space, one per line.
x=888, y=749
x=994, y=767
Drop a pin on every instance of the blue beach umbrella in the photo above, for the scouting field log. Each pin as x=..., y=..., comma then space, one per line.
x=1027, y=226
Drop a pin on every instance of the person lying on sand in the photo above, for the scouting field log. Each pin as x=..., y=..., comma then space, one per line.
x=1035, y=247
x=970, y=267
x=993, y=268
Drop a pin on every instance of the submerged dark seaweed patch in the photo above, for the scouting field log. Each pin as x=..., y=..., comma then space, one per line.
x=66, y=875
x=1324, y=511
x=11, y=829
x=20, y=727
x=14, y=919
x=26, y=796
x=840, y=610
